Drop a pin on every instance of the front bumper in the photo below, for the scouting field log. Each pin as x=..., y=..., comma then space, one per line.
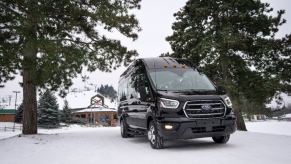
x=184, y=128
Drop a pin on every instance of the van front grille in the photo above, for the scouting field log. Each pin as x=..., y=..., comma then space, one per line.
x=204, y=109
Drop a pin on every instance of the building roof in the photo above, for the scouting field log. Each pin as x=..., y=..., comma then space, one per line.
x=80, y=99
x=96, y=109
x=7, y=111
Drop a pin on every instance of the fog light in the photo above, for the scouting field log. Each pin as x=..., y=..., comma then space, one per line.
x=169, y=127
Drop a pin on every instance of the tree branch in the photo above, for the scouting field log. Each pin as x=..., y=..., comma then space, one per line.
x=13, y=11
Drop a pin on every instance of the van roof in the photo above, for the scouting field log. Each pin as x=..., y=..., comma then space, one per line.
x=162, y=62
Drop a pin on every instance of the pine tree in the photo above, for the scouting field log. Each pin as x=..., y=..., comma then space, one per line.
x=19, y=113
x=48, y=110
x=108, y=91
x=233, y=42
x=51, y=41
x=67, y=113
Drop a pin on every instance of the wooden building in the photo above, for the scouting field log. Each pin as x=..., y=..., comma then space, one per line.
x=7, y=115
x=92, y=108
x=96, y=116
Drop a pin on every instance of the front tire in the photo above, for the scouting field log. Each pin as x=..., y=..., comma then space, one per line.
x=123, y=129
x=221, y=139
x=156, y=141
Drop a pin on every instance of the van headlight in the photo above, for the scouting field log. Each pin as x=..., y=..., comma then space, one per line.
x=168, y=103
x=227, y=102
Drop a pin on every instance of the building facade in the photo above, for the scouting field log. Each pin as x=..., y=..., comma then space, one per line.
x=96, y=116
x=7, y=115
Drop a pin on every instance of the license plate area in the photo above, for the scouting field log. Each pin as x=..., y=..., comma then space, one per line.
x=208, y=124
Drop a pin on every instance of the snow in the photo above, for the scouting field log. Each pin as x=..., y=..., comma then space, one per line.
x=286, y=99
x=270, y=127
x=8, y=132
x=81, y=99
x=96, y=109
x=8, y=101
x=76, y=144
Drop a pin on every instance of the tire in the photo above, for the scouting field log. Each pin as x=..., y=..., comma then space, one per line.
x=123, y=129
x=221, y=139
x=156, y=141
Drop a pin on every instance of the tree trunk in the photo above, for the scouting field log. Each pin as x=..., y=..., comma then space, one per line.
x=29, y=91
x=249, y=117
x=239, y=120
x=29, y=72
x=29, y=104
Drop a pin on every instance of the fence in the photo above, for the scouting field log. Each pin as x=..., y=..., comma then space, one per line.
x=10, y=128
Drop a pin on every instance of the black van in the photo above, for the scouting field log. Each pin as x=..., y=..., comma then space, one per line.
x=166, y=98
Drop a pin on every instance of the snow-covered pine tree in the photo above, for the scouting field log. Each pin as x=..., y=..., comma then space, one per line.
x=48, y=114
x=234, y=43
x=108, y=91
x=19, y=113
x=67, y=113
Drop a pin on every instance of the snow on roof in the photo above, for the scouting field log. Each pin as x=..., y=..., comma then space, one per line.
x=82, y=99
x=98, y=109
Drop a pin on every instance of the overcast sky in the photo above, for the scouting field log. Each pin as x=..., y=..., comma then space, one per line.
x=156, y=18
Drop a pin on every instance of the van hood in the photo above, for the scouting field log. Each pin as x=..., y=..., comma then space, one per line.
x=188, y=96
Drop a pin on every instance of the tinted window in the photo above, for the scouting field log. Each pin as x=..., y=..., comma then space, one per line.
x=122, y=90
x=139, y=86
x=180, y=79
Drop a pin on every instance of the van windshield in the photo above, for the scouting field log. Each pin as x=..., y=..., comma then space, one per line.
x=180, y=80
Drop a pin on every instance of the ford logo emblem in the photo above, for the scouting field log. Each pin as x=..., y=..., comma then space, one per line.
x=206, y=107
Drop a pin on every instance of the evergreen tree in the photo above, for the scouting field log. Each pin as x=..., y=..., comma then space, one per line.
x=48, y=110
x=51, y=41
x=108, y=91
x=67, y=113
x=19, y=113
x=233, y=42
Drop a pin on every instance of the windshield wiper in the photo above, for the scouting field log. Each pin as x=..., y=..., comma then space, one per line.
x=163, y=90
x=197, y=91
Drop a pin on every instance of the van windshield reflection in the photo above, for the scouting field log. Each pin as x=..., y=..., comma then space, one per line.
x=181, y=80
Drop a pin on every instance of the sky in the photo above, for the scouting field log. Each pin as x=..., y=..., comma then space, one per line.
x=156, y=18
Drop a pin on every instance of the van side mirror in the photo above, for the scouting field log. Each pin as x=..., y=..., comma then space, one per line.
x=221, y=90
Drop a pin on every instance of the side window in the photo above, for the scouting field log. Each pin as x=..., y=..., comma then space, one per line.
x=122, y=90
x=132, y=94
x=139, y=86
x=143, y=89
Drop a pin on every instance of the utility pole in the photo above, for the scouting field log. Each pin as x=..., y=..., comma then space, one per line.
x=16, y=92
x=9, y=99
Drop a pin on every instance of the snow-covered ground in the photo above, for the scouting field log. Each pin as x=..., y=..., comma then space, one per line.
x=270, y=127
x=6, y=133
x=79, y=144
x=104, y=145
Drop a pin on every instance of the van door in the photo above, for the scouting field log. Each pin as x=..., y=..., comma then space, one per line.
x=140, y=96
